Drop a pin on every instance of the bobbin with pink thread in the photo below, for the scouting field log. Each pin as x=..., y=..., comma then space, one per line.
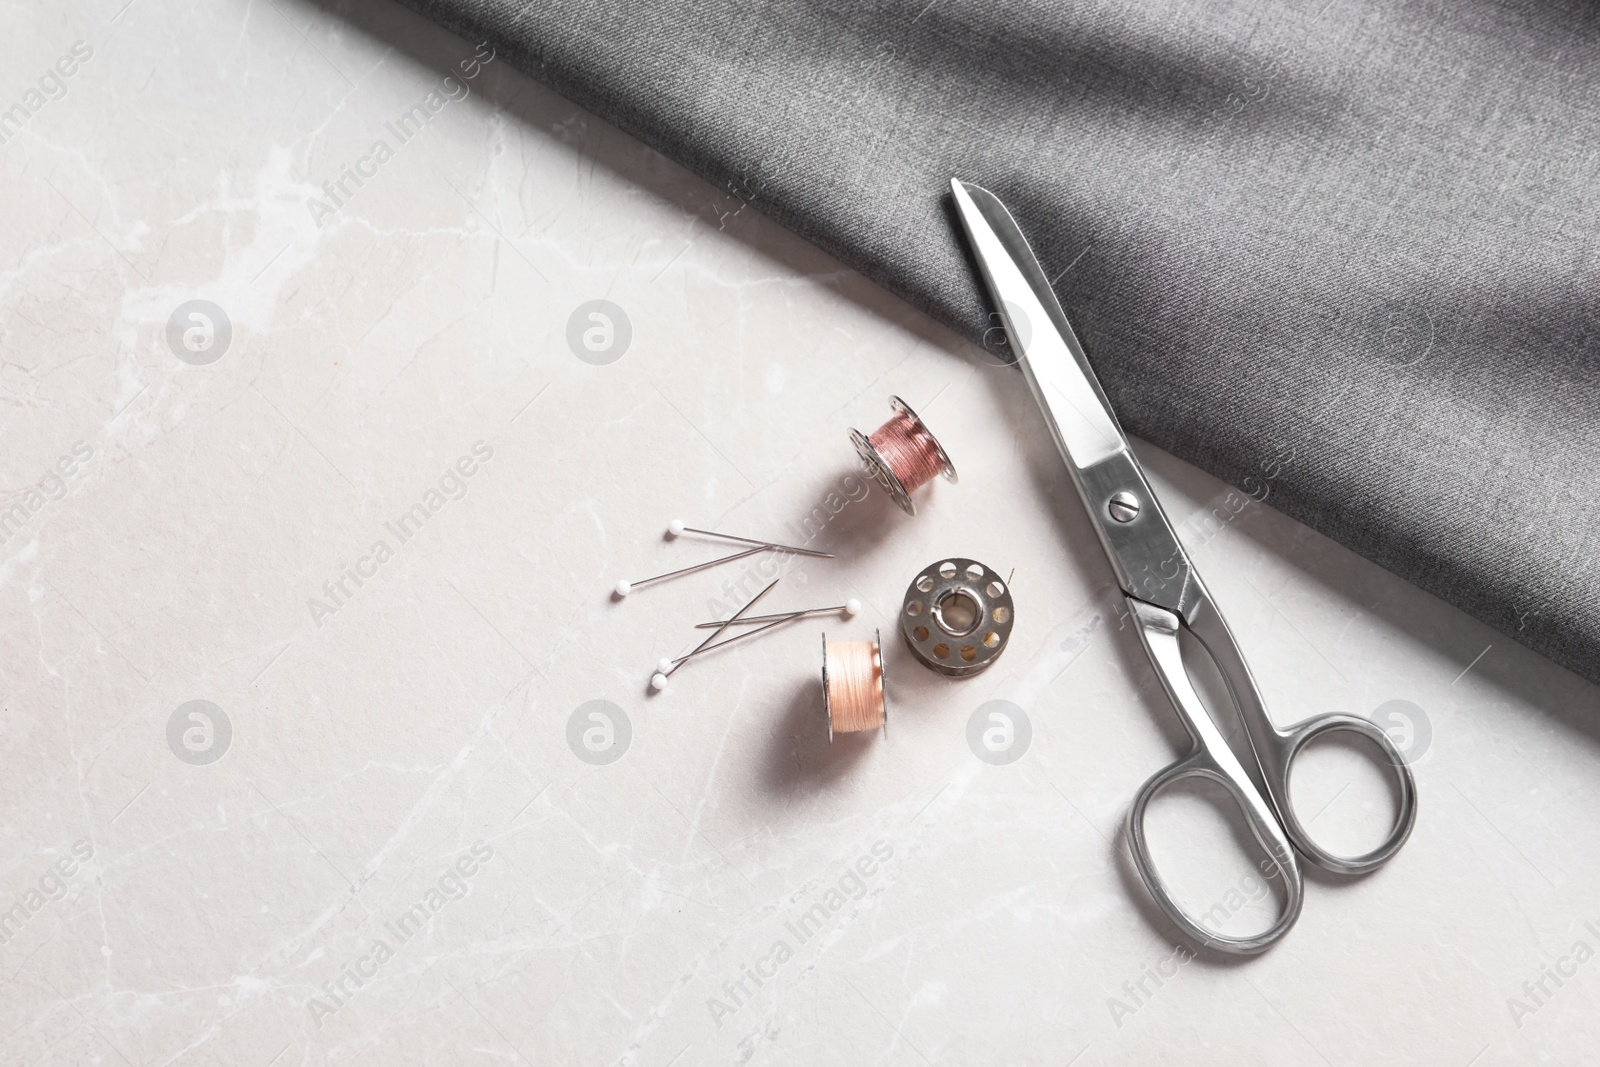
x=903, y=455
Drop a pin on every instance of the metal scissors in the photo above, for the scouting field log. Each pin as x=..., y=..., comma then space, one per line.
x=1164, y=593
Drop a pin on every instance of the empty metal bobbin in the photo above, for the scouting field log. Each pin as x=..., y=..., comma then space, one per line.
x=957, y=616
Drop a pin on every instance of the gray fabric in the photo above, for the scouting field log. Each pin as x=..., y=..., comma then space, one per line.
x=1342, y=255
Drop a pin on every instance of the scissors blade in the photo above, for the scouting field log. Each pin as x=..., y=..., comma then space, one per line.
x=1048, y=351
x=1144, y=551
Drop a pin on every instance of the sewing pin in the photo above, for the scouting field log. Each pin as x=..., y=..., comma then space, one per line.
x=669, y=663
x=624, y=587
x=850, y=608
x=658, y=681
x=676, y=528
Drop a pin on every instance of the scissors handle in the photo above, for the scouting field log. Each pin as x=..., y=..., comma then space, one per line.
x=1212, y=759
x=1276, y=749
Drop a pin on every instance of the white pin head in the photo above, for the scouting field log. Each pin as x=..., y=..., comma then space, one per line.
x=852, y=608
x=675, y=527
x=658, y=682
x=665, y=665
x=623, y=587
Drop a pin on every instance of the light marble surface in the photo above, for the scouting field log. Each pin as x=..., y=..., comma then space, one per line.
x=971, y=913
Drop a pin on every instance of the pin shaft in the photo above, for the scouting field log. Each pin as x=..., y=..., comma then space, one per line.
x=752, y=619
x=753, y=541
x=698, y=566
x=776, y=621
x=714, y=634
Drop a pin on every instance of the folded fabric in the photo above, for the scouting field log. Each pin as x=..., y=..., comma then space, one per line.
x=1341, y=254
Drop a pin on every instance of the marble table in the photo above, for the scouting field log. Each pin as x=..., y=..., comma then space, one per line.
x=315, y=486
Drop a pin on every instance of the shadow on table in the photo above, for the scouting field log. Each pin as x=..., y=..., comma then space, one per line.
x=801, y=757
x=801, y=754
x=1523, y=675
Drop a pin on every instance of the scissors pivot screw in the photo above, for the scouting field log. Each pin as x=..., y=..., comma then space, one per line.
x=1124, y=506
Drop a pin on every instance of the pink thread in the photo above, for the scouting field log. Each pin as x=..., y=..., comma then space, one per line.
x=909, y=449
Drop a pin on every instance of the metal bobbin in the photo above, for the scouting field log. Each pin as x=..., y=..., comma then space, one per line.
x=885, y=473
x=957, y=617
x=883, y=695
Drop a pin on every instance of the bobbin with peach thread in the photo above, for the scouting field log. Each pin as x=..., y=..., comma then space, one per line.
x=903, y=455
x=852, y=690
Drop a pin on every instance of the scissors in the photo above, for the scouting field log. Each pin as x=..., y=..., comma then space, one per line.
x=1164, y=593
